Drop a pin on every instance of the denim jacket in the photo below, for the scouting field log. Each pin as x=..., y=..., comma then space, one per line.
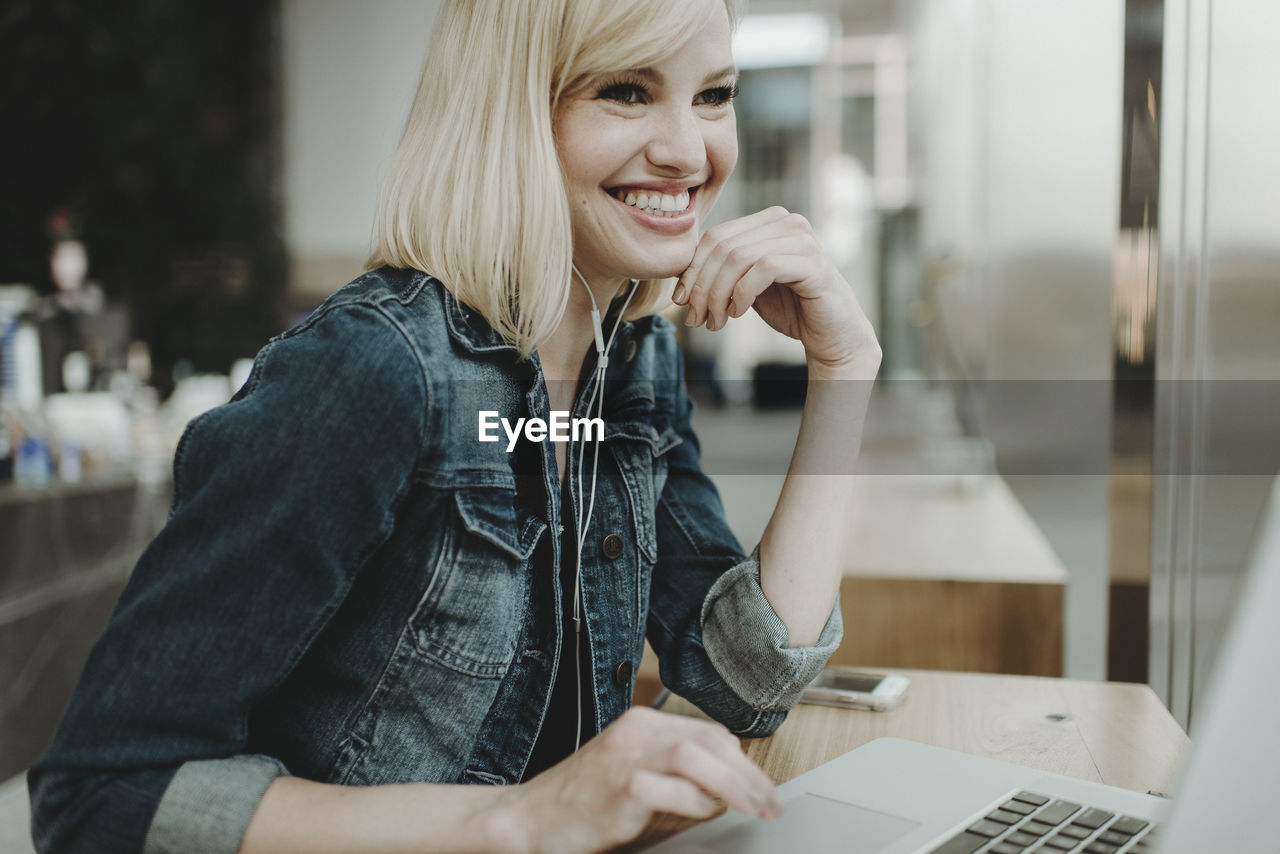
x=352, y=588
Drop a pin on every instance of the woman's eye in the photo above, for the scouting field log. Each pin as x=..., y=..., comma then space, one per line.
x=623, y=93
x=717, y=97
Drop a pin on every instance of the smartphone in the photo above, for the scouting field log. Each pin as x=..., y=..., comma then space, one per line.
x=851, y=688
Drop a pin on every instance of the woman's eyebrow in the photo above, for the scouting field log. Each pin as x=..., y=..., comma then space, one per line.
x=727, y=71
x=657, y=78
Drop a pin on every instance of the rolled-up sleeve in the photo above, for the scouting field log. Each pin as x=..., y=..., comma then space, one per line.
x=280, y=497
x=719, y=642
x=208, y=803
x=746, y=641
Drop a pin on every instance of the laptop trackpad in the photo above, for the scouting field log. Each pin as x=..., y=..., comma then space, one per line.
x=816, y=824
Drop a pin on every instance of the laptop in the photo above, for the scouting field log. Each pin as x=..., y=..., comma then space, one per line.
x=892, y=796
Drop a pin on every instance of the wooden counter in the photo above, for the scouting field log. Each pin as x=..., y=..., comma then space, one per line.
x=948, y=573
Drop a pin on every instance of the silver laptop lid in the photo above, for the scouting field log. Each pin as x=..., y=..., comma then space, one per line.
x=1228, y=796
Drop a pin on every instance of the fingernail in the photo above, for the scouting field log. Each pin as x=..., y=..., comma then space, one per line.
x=767, y=807
x=733, y=308
x=678, y=296
x=690, y=318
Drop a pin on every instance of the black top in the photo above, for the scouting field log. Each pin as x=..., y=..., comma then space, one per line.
x=559, y=728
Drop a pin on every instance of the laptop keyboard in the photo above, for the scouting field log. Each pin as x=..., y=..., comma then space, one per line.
x=1028, y=822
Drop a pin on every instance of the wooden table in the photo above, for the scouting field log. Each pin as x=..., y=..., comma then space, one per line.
x=1108, y=732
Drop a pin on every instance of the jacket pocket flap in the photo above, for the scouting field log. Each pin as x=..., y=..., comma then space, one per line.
x=659, y=438
x=489, y=513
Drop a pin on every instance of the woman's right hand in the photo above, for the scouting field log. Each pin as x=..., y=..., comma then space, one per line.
x=644, y=762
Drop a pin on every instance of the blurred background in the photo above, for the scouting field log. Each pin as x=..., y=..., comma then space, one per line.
x=1061, y=216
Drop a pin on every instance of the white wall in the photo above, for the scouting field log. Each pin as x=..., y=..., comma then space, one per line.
x=350, y=72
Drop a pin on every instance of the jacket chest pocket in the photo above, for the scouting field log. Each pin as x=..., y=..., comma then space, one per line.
x=472, y=610
x=641, y=454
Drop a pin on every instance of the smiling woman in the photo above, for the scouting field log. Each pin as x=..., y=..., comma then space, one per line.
x=359, y=608
x=645, y=153
x=475, y=192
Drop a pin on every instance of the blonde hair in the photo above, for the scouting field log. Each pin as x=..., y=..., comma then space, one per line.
x=474, y=195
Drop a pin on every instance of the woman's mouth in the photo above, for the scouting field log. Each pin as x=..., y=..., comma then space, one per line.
x=655, y=203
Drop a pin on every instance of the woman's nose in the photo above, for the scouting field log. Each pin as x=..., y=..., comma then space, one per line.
x=677, y=143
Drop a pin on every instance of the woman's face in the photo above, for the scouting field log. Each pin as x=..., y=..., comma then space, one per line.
x=645, y=152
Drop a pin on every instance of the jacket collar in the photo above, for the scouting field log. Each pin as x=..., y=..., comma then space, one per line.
x=469, y=328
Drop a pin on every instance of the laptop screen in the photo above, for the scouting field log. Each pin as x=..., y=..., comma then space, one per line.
x=1227, y=797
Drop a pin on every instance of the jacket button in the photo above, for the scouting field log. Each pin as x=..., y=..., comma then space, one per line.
x=622, y=674
x=630, y=352
x=612, y=546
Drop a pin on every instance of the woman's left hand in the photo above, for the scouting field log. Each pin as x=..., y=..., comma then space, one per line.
x=772, y=261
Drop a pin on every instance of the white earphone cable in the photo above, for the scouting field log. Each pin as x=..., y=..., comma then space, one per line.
x=596, y=400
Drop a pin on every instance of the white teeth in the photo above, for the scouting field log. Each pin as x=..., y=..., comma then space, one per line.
x=656, y=204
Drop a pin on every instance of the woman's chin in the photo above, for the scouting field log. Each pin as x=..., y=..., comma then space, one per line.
x=666, y=274
x=671, y=265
